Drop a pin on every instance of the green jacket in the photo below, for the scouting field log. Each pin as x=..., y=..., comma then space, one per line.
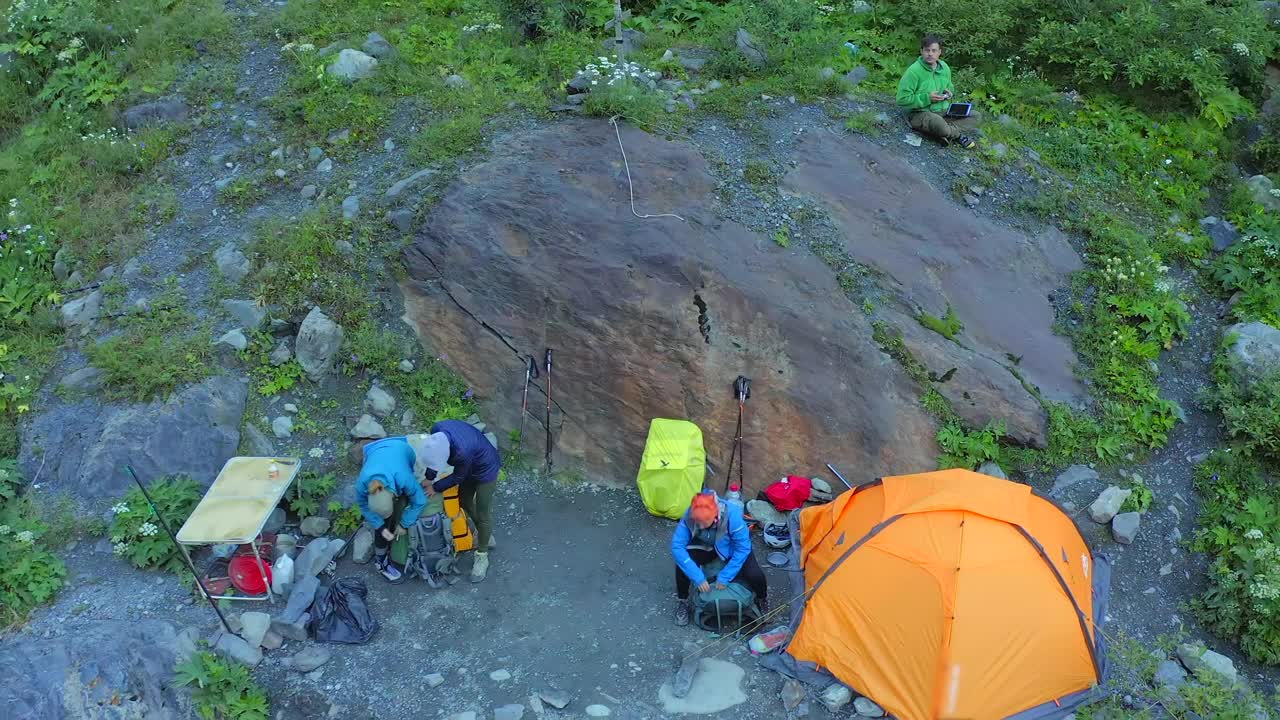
x=918, y=81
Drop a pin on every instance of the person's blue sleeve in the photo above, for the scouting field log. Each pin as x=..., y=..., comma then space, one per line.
x=445, y=483
x=417, y=500
x=680, y=552
x=362, y=501
x=740, y=540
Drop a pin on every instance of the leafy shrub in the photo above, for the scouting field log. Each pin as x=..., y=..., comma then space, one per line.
x=1240, y=531
x=432, y=390
x=345, y=520
x=525, y=15
x=969, y=449
x=309, y=490
x=30, y=575
x=222, y=690
x=1251, y=267
x=1266, y=151
x=1140, y=496
x=1250, y=411
x=26, y=268
x=137, y=535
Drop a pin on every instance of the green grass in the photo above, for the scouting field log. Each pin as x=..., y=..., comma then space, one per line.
x=948, y=326
x=299, y=263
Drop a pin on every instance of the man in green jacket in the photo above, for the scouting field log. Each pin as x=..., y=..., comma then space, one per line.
x=925, y=90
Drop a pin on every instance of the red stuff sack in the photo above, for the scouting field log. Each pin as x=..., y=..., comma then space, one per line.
x=789, y=493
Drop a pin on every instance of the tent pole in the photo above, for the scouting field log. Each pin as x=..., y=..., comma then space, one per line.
x=181, y=551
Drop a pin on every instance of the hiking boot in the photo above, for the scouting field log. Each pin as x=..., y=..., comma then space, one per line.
x=682, y=613
x=389, y=569
x=480, y=567
x=966, y=142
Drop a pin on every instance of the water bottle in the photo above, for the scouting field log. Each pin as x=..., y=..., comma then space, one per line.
x=735, y=496
x=282, y=575
x=853, y=47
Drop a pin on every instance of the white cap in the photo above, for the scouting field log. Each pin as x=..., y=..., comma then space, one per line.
x=430, y=451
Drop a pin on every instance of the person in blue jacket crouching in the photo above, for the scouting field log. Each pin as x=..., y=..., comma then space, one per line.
x=711, y=529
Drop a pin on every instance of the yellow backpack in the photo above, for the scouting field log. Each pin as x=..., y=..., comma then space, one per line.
x=672, y=468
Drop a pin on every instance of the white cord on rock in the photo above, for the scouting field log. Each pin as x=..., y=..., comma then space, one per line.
x=614, y=122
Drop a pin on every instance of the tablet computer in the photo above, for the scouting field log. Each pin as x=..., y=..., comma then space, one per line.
x=959, y=110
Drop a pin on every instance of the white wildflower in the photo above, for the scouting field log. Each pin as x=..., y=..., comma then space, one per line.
x=1240, y=48
x=316, y=452
x=26, y=537
x=119, y=508
x=1253, y=534
x=5, y=529
x=148, y=529
x=119, y=548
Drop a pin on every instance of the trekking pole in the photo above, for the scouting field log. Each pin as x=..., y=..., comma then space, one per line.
x=181, y=551
x=549, y=462
x=742, y=390
x=833, y=469
x=530, y=372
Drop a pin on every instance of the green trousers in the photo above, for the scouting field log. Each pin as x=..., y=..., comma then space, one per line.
x=477, y=502
x=933, y=124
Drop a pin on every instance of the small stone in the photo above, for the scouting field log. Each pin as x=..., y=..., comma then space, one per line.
x=378, y=47
x=714, y=85
x=308, y=192
x=993, y=470
x=1222, y=233
x=577, y=99
x=254, y=627
x=325, y=165
x=367, y=427
x=234, y=339
x=85, y=380
x=971, y=200
x=280, y=173
x=1166, y=569
x=493, y=439
x=856, y=75
x=350, y=207
x=508, y=712
x=999, y=150
x=1072, y=476
x=388, y=145
x=597, y=711
x=246, y=313
x=314, y=526
x=827, y=73
x=257, y=444
x=468, y=715
x=1194, y=657
x=866, y=708
x=558, y=699
x=1124, y=527
x=693, y=64
x=456, y=82
x=1108, y=504
x=290, y=407
x=235, y=648
x=500, y=675
x=379, y=402
x=231, y=263
x=315, y=675
x=292, y=629
x=338, y=137
x=282, y=427
x=314, y=154
x=835, y=696
x=408, y=418
x=400, y=185
x=434, y=680
x=749, y=48
x=317, y=344
x=344, y=247
x=406, y=366
x=272, y=641
x=281, y=355
x=309, y=659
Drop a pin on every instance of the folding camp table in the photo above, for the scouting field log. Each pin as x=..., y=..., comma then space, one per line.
x=236, y=507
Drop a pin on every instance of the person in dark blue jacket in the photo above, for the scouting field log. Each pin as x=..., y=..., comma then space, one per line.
x=475, y=463
x=711, y=529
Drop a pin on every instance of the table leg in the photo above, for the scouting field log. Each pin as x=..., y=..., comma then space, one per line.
x=262, y=569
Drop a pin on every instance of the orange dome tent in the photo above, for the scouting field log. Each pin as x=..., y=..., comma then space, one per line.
x=949, y=595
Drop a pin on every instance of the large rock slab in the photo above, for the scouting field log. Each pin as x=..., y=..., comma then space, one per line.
x=112, y=670
x=1254, y=352
x=936, y=254
x=84, y=446
x=651, y=318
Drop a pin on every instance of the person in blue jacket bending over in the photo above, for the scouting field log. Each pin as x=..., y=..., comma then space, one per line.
x=389, y=494
x=711, y=529
x=475, y=464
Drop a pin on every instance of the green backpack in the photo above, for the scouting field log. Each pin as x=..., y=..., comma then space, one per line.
x=723, y=611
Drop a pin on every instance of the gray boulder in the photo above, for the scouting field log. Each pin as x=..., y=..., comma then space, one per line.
x=378, y=47
x=85, y=380
x=835, y=696
x=314, y=526
x=310, y=658
x=82, y=312
x=1260, y=187
x=1124, y=527
x=1170, y=673
x=367, y=428
x=108, y=670
x=558, y=699
x=317, y=344
x=353, y=65
x=61, y=260
x=865, y=708
x=750, y=48
x=254, y=626
x=856, y=75
x=994, y=470
x=156, y=112
x=457, y=82
x=1222, y=233
x=295, y=630
x=350, y=207
x=256, y=442
x=233, y=339
x=1108, y=504
x=246, y=313
x=362, y=545
x=282, y=427
x=379, y=402
x=231, y=263
x=1255, y=352
x=401, y=220
x=281, y=355
x=300, y=597
x=236, y=648
x=193, y=432
x=1072, y=476
x=1195, y=657
x=509, y=712
x=401, y=185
